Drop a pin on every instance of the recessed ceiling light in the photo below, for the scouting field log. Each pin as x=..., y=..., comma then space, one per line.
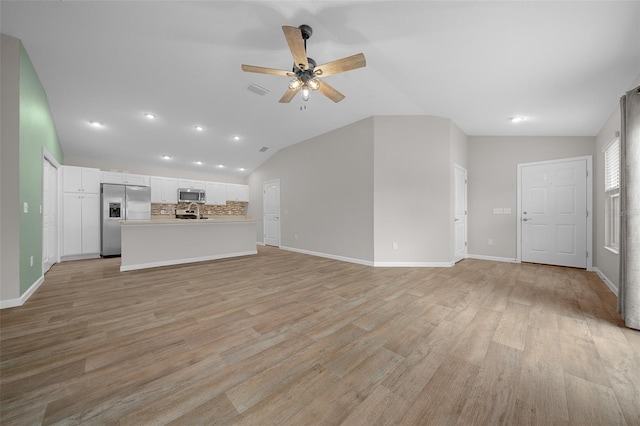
x=221, y=166
x=166, y=157
x=242, y=169
x=199, y=128
x=199, y=163
x=517, y=119
x=150, y=115
x=95, y=124
x=236, y=138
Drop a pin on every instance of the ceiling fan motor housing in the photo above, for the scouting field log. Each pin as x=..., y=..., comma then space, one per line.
x=306, y=31
x=305, y=75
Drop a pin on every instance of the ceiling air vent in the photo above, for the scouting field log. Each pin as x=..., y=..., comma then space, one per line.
x=264, y=148
x=259, y=90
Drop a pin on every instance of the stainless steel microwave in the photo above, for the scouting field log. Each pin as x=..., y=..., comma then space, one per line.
x=188, y=195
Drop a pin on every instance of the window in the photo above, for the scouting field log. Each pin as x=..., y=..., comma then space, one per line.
x=612, y=195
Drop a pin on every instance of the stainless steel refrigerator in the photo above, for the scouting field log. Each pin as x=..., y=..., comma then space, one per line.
x=121, y=202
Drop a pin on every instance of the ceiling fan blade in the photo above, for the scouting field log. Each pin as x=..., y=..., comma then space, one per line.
x=341, y=65
x=296, y=45
x=331, y=93
x=263, y=70
x=288, y=95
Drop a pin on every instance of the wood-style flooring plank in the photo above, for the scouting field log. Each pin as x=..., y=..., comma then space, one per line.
x=284, y=338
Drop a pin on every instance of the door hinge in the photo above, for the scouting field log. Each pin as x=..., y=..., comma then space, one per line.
x=465, y=181
x=587, y=213
x=587, y=254
x=587, y=173
x=465, y=243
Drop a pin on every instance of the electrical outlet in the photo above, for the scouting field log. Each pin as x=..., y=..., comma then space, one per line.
x=31, y=260
x=25, y=207
x=395, y=246
x=295, y=236
x=490, y=242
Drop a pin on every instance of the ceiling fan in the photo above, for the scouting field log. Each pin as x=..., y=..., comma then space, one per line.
x=305, y=71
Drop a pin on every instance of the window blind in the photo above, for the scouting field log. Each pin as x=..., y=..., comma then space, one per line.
x=612, y=166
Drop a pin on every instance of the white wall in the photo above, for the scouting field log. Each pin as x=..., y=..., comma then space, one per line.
x=326, y=192
x=9, y=171
x=492, y=183
x=196, y=173
x=413, y=178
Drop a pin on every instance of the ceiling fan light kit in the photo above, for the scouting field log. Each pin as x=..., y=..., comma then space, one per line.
x=305, y=70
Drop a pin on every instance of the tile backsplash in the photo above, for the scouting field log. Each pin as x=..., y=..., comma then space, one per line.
x=232, y=208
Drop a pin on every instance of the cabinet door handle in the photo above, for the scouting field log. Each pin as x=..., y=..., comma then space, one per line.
x=524, y=219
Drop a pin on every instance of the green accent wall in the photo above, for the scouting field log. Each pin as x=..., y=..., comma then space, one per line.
x=37, y=130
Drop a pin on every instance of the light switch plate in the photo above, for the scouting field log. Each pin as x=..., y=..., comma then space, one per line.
x=25, y=207
x=507, y=210
x=497, y=210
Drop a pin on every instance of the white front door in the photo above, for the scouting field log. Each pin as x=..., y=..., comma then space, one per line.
x=271, y=205
x=460, y=214
x=49, y=215
x=554, y=213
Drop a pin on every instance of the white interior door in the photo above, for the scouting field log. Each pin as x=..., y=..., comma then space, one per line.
x=554, y=213
x=460, y=214
x=271, y=205
x=49, y=215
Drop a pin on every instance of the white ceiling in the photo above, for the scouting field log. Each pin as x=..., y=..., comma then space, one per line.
x=563, y=65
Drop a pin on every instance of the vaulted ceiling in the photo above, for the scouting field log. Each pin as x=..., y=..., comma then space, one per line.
x=562, y=65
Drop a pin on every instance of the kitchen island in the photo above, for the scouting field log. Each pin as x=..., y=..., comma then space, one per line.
x=162, y=242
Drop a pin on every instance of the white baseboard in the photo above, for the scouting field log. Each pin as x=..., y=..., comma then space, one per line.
x=12, y=303
x=607, y=281
x=260, y=243
x=414, y=264
x=370, y=263
x=80, y=257
x=181, y=261
x=329, y=256
x=493, y=258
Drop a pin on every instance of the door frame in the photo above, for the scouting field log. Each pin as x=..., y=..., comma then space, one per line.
x=47, y=156
x=589, y=212
x=264, y=211
x=466, y=211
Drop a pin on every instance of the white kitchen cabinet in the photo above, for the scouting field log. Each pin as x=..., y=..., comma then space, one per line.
x=216, y=193
x=81, y=224
x=191, y=184
x=124, y=178
x=237, y=192
x=80, y=179
x=164, y=190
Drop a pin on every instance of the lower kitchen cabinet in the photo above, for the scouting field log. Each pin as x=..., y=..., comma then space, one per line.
x=81, y=225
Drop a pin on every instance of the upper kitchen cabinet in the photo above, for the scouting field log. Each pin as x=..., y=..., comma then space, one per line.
x=216, y=193
x=80, y=179
x=164, y=190
x=190, y=184
x=237, y=192
x=124, y=179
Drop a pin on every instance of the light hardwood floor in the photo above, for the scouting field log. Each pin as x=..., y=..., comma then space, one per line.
x=288, y=339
